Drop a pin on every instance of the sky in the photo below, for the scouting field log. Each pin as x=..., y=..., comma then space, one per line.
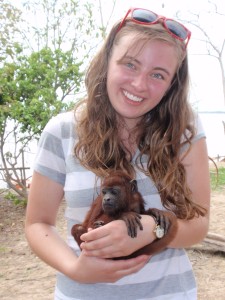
x=206, y=80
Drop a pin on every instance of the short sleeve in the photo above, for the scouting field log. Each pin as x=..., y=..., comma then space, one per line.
x=50, y=158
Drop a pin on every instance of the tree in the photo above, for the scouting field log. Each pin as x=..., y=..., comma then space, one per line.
x=34, y=90
x=40, y=79
x=43, y=74
x=209, y=21
x=9, y=19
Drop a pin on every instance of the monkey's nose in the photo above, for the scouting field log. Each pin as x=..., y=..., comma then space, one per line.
x=107, y=200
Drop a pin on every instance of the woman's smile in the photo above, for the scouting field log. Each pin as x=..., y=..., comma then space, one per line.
x=132, y=98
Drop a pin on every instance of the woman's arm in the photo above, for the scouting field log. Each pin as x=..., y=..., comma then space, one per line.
x=44, y=200
x=197, y=170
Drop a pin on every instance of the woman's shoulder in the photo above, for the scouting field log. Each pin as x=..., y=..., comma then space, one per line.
x=63, y=117
x=61, y=121
x=197, y=122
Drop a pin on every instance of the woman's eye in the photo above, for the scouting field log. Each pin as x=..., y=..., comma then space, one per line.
x=130, y=65
x=157, y=76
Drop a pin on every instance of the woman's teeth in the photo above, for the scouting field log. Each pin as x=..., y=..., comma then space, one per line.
x=132, y=97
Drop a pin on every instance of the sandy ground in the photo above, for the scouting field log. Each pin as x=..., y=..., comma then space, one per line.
x=24, y=277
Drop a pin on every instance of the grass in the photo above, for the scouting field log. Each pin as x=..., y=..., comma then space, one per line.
x=217, y=179
x=3, y=249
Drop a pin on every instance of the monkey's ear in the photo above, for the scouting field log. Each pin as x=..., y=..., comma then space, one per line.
x=134, y=187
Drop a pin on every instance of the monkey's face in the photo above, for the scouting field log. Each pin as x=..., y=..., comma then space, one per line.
x=112, y=200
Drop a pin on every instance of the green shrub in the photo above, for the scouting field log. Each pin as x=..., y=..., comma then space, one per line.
x=218, y=179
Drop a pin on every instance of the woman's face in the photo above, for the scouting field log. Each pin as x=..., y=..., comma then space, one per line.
x=138, y=77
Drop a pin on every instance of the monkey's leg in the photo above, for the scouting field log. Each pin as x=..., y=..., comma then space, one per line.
x=76, y=231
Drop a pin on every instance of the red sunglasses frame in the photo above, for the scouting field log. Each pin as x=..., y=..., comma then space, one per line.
x=158, y=18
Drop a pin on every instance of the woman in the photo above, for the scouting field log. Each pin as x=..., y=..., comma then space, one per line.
x=136, y=118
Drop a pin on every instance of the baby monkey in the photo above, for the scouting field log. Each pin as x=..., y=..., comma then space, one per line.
x=120, y=200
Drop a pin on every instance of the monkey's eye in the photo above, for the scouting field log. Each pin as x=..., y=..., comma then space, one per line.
x=114, y=191
x=104, y=191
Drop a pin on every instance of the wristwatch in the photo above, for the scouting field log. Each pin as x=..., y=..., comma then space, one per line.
x=159, y=231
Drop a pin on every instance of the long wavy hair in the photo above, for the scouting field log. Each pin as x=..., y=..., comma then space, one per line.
x=163, y=133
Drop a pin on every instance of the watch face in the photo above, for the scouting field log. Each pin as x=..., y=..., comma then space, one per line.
x=159, y=231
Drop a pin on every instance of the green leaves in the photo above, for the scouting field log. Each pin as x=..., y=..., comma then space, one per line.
x=9, y=20
x=35, y=87
x=41, y=58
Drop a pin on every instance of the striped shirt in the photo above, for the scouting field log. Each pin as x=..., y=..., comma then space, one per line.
x=168, y=275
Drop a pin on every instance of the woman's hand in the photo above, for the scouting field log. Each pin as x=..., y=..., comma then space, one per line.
x=112, y=239
x=94, y=269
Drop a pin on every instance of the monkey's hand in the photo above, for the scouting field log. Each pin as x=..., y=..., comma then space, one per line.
x=98, y=223
x=163, y=218
x=132, y=220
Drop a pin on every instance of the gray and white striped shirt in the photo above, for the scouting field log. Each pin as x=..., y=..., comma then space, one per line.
x=168, y=275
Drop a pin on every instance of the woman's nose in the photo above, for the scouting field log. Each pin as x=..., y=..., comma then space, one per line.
x=139, y=82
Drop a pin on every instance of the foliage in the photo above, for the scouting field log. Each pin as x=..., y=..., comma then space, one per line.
x=64, y=24
x=34, y=89
x=43, y=50
x=218, y=179
x=15, y=199
x=36, y=86
x=9, y=19
x=213, y=44
x=38, y=79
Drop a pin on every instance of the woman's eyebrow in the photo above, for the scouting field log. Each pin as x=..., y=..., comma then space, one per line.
x=163, y=70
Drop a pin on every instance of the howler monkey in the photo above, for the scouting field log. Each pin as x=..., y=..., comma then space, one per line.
x=120, y=200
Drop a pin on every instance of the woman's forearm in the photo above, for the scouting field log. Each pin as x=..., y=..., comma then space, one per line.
x=50, y=247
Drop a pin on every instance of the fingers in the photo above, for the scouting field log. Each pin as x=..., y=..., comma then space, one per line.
x=92, y=249
x=131, y=266
x=93, y=234
x=94, y=270
x=109, y=241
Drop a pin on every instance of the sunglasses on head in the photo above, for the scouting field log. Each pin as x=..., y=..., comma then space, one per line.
x=147, y=17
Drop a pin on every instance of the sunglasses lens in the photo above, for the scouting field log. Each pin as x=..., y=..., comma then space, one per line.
x=144, y=16
x=176, y=29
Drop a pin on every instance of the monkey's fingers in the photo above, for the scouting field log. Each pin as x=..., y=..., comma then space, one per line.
x=138, y=222
x=132, y=224
x=98, y=224
x=155, y=213
x=166, y=224
x=131, y=229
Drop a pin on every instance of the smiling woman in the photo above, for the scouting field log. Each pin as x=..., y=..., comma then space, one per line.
x=139, y=77
x=136, y=119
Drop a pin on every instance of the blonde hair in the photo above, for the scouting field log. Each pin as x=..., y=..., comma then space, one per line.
x=160, y=131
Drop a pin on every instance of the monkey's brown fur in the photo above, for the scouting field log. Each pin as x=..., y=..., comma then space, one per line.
x=120, y=199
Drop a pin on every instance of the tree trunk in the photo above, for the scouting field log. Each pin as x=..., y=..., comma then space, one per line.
x=212, y=241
